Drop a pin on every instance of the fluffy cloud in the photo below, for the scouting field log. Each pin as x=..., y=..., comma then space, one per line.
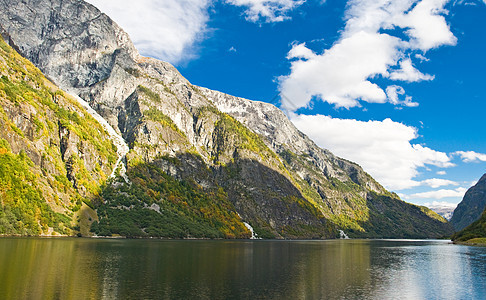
x=382, y=148
x=437, y=182
x=342, y=75
x=471, y=156
x=427, y=28
x=408, y=72
x=439, y=194
x=339, y=75
x=164, y=29
x=394, y=92
x=268, y=10
x=301, y=51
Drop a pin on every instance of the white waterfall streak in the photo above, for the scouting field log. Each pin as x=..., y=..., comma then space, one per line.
x=343, y=235
x=253, y=235
x=121, y=145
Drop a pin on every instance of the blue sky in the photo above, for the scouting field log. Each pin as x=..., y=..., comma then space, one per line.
x=394, y=85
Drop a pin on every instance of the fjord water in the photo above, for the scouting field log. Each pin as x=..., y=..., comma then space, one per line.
x=69, y=268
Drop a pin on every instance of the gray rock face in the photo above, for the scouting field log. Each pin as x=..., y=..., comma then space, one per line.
x=471, y=206
x=281, y=135
x=276, y=177
x=74, y=44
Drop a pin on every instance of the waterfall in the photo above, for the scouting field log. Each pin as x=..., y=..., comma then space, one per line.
x=343, y=235
x=121, y=145
x=253, y=235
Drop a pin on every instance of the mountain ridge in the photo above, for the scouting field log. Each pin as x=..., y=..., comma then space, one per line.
x=235, y=155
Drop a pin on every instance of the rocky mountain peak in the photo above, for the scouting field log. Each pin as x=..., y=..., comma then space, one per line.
x=47, y=31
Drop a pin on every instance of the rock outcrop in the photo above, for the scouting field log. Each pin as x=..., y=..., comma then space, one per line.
x=243, y=159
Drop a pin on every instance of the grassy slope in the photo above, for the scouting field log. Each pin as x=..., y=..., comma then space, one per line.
x=157, y=205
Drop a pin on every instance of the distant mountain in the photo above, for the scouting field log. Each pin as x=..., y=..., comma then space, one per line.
x=443, y=210
x=471, y=206
x=199, y=163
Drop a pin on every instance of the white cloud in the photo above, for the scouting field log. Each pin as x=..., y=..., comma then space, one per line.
x=163, y=29
x=421, y=57
x=471, y=156
x=382, y=148
x=437, y=182
x=439, y=194
x=340, y=74
x=300, y=51
x=343, y=74
x=394, y=92
x=426, y=26
x=267, y=10
x=441, y=172
x=409, y=73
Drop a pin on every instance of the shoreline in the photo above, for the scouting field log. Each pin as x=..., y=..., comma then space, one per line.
x=213, y=239
x=477, y=242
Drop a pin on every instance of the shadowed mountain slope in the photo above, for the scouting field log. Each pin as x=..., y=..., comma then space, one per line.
x=471, y=206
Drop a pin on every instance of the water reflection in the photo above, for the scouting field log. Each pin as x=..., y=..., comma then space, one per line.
x=46, y=269
x=437, y=271
x=153, y=269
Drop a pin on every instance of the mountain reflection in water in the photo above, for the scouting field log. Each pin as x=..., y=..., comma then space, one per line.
x=69, y=268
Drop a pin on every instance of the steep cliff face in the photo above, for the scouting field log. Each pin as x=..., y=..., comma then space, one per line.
x=471, y=206
x=243, y=159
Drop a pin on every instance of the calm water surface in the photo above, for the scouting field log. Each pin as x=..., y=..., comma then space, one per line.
x=36, y=268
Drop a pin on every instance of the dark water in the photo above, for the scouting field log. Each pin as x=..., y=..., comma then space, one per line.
x=38, y=268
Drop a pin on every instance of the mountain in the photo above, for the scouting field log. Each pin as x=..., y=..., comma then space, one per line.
x=471, y=206
x=444, y=210
x=474, y=233
x=53, y=154
x=199, y=163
